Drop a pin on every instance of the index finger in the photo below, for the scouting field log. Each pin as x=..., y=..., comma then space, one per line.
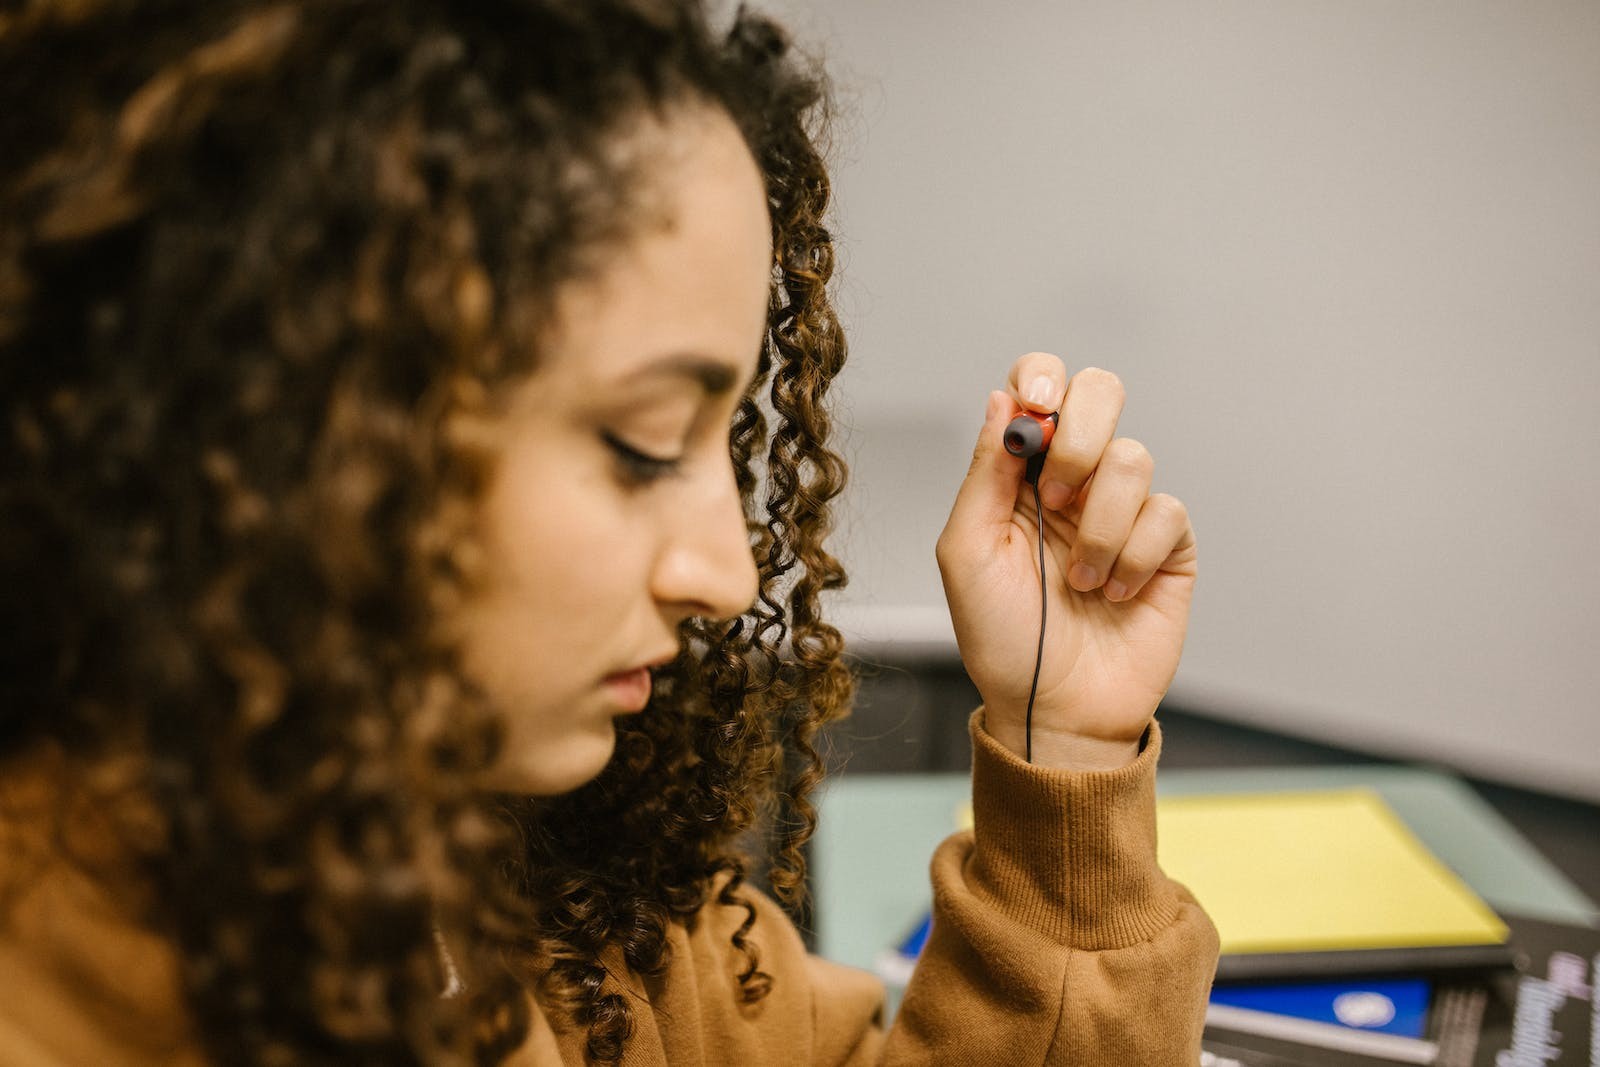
x=1089, y=417
x=1038, y=380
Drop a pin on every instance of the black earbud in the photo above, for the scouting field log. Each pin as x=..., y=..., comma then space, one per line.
x=1028, y=436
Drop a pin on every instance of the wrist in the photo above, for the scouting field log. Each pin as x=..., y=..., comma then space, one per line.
x=1062, y=749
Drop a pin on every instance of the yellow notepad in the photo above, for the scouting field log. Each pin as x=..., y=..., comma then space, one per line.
x=1316, y=871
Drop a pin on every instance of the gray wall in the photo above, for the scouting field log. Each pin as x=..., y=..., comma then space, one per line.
x=1345, y=256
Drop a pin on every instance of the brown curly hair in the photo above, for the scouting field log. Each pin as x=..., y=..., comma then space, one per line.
x=260, y=275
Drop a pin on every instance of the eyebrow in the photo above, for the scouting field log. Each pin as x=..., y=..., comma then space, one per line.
x=713, y=376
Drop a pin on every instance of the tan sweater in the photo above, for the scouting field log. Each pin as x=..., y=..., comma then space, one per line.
x=1056, y=939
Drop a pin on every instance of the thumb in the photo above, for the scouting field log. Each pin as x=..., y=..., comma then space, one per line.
x=988, y=496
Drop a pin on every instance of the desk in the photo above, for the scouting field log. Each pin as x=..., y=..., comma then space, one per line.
x=911, y=717
x=876, y=834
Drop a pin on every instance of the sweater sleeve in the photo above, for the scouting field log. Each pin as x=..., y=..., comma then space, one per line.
x=1056, y=937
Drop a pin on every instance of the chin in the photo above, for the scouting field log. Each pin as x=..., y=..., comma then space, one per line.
x=549, y=766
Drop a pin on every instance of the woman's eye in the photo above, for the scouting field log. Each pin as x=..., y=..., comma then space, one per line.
x=640, y=468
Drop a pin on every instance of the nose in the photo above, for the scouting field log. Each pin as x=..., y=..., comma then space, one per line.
x=705, y=566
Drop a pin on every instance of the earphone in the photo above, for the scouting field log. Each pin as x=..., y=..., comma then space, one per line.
x=1028, y=436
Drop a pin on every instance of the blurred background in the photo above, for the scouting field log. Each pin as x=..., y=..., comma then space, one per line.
x=1345, y=256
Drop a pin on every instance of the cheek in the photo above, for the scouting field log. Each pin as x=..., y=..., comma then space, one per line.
x=546, y=549
x=564, y=570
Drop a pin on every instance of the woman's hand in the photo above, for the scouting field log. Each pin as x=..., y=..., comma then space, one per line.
x=1120, y=568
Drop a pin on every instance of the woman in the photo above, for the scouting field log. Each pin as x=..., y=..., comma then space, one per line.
x=416, y=483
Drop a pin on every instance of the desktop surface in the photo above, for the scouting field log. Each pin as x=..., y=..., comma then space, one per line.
x=912, y=719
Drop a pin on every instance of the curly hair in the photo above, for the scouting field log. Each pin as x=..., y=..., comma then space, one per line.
x=260, y=277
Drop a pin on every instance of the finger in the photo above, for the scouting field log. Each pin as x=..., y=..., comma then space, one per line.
x=1161, y=528
x=988, y=495
x=1110, y=506
x=1089, y=415
x=1038, y=381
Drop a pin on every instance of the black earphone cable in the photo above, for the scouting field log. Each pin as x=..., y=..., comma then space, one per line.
x=1038, y=660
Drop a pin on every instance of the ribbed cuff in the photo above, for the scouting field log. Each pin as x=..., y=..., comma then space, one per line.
x=1071, y=854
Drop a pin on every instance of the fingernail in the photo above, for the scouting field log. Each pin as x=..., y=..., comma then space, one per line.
x=1054, y=495
x=1082, y=577
x=1042, y=392
x=1115, y=590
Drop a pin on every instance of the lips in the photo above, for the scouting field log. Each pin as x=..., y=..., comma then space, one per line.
x=630, y=690
x=659, y=661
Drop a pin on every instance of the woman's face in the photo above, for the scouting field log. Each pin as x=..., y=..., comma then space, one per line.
x=613, y=514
